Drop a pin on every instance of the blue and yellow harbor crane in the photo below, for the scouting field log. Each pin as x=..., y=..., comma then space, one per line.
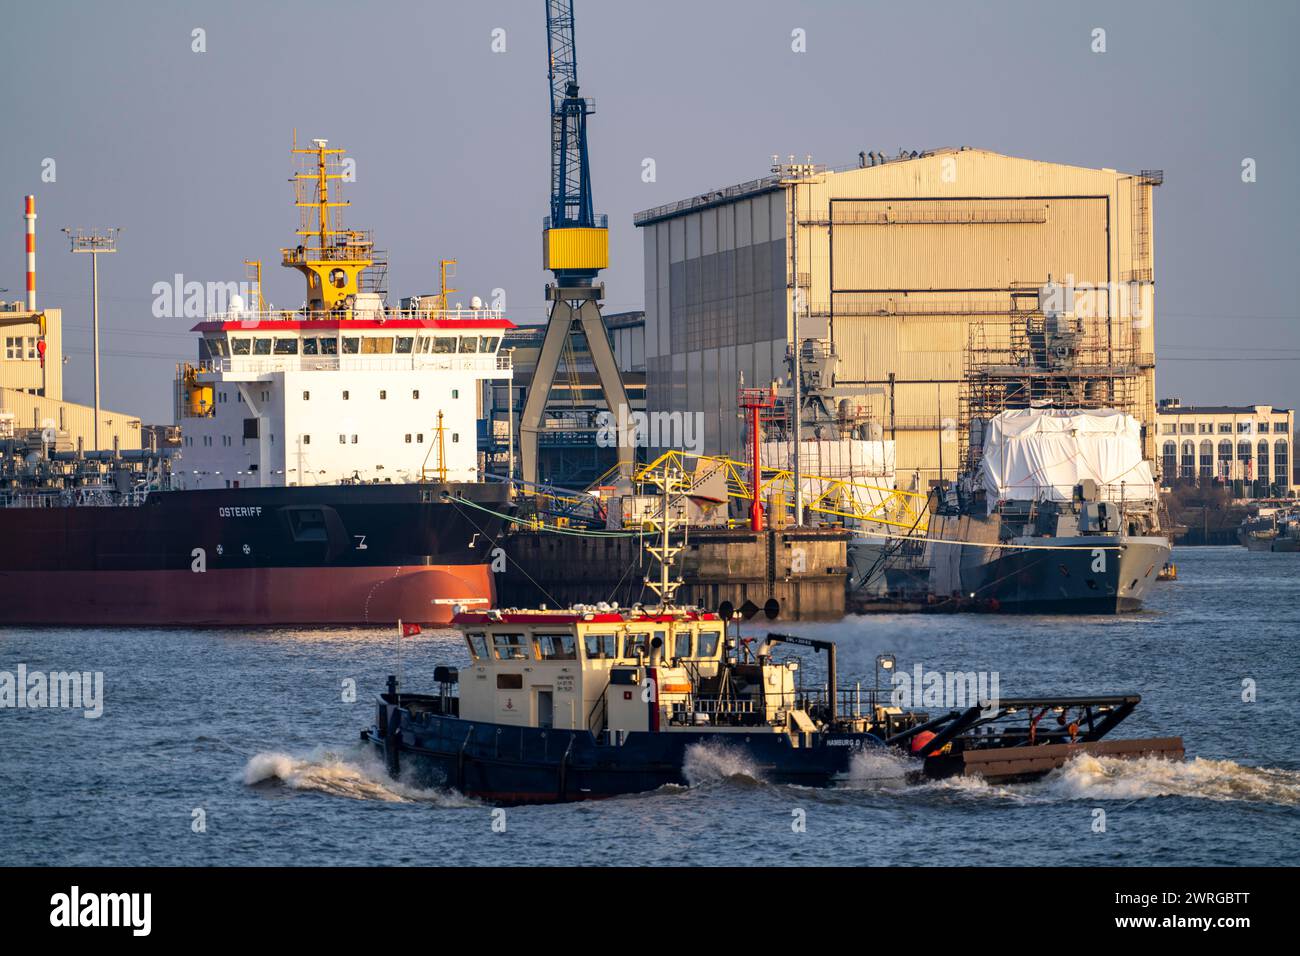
x=575, y=247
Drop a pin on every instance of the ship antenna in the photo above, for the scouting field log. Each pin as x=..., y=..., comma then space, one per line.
x=671, y=479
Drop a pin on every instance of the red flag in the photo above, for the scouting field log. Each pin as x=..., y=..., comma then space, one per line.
x=410, y=629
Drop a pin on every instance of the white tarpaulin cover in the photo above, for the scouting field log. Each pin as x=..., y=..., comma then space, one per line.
x=1041, y=454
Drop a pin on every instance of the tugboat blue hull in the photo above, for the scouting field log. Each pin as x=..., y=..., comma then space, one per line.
x=507, y=764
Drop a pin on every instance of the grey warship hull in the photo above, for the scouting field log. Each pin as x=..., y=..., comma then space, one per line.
x=1088, y=574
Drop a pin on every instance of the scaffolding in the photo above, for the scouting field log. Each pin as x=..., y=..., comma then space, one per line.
x=1037, y=359
x=1140, y=225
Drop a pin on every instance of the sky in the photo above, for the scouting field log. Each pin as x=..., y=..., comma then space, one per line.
x=187, y=151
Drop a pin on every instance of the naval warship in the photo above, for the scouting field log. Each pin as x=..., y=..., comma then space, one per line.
x=1057, y=507
x=1061, y=515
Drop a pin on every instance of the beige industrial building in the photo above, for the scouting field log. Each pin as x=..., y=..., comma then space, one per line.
x=1251, y=444
x=31, y=385
x=907, y=266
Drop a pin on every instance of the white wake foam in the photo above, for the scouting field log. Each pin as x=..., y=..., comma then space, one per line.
x=1110, y=778
x=878, y=767
x=712, y=762
x=358, y=776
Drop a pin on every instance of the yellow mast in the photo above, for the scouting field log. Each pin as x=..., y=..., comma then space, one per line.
x=254, y=276
x=442, y=451
x=444, y=273
x=330, y=257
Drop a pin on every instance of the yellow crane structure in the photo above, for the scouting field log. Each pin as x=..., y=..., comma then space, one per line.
x=840, y=498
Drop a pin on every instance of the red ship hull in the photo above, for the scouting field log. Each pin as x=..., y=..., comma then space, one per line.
x=355, y=554
x=246, y=596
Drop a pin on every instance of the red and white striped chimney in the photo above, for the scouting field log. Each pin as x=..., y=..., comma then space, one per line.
x=30, y=216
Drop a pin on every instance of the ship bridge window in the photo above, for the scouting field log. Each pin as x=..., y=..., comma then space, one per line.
x=598, y=647
x=261, y=346
x=351, y=345
x=377, y=345
x=309, y=347
x=477, y=646
x=405, y=343
x=444, y=344
x=286, y=346
x=707, y=646
x=682, y=644
x=241, y=345
x=556, y=647
x=469, y=343
x=329, y=346
x=489, y=344
x=217, y=346
x=509, y=647
x=636, y=645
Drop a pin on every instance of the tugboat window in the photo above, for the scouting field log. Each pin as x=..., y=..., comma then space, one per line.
x=634, y=644
x=682, y=644
x=556, y=647
x=477, y=646
x=510, y=647
x=598, y=647
x=708, y=644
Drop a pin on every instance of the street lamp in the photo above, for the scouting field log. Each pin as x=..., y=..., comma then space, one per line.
x=94, y=242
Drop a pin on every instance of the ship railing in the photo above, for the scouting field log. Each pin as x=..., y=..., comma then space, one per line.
x=262, y=365
x=856, y=701
x=252, y=319
x=89, y=497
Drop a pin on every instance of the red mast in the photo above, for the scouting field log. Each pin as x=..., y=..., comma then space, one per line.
x=755, y=400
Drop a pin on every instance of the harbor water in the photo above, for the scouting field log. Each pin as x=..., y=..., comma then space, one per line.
x=220, y=747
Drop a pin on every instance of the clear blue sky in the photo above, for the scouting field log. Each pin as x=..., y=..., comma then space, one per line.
x=188, y=151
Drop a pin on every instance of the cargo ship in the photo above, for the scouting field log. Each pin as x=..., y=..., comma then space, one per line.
x=327, y=471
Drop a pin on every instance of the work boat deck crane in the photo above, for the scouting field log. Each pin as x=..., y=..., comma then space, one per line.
x=575, y=247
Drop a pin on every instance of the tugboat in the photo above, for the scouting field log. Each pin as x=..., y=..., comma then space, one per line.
x=598, y=701
x=593, y=702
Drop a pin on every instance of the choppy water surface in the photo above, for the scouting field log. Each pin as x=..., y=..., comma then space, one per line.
x=252, y=729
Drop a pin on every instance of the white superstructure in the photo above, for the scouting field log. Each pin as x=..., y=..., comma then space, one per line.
x=282, y=399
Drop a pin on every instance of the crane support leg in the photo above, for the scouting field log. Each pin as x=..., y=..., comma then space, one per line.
x=580, y=307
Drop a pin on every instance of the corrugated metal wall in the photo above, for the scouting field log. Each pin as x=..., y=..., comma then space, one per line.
x=32, y=411
x=900, y=259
